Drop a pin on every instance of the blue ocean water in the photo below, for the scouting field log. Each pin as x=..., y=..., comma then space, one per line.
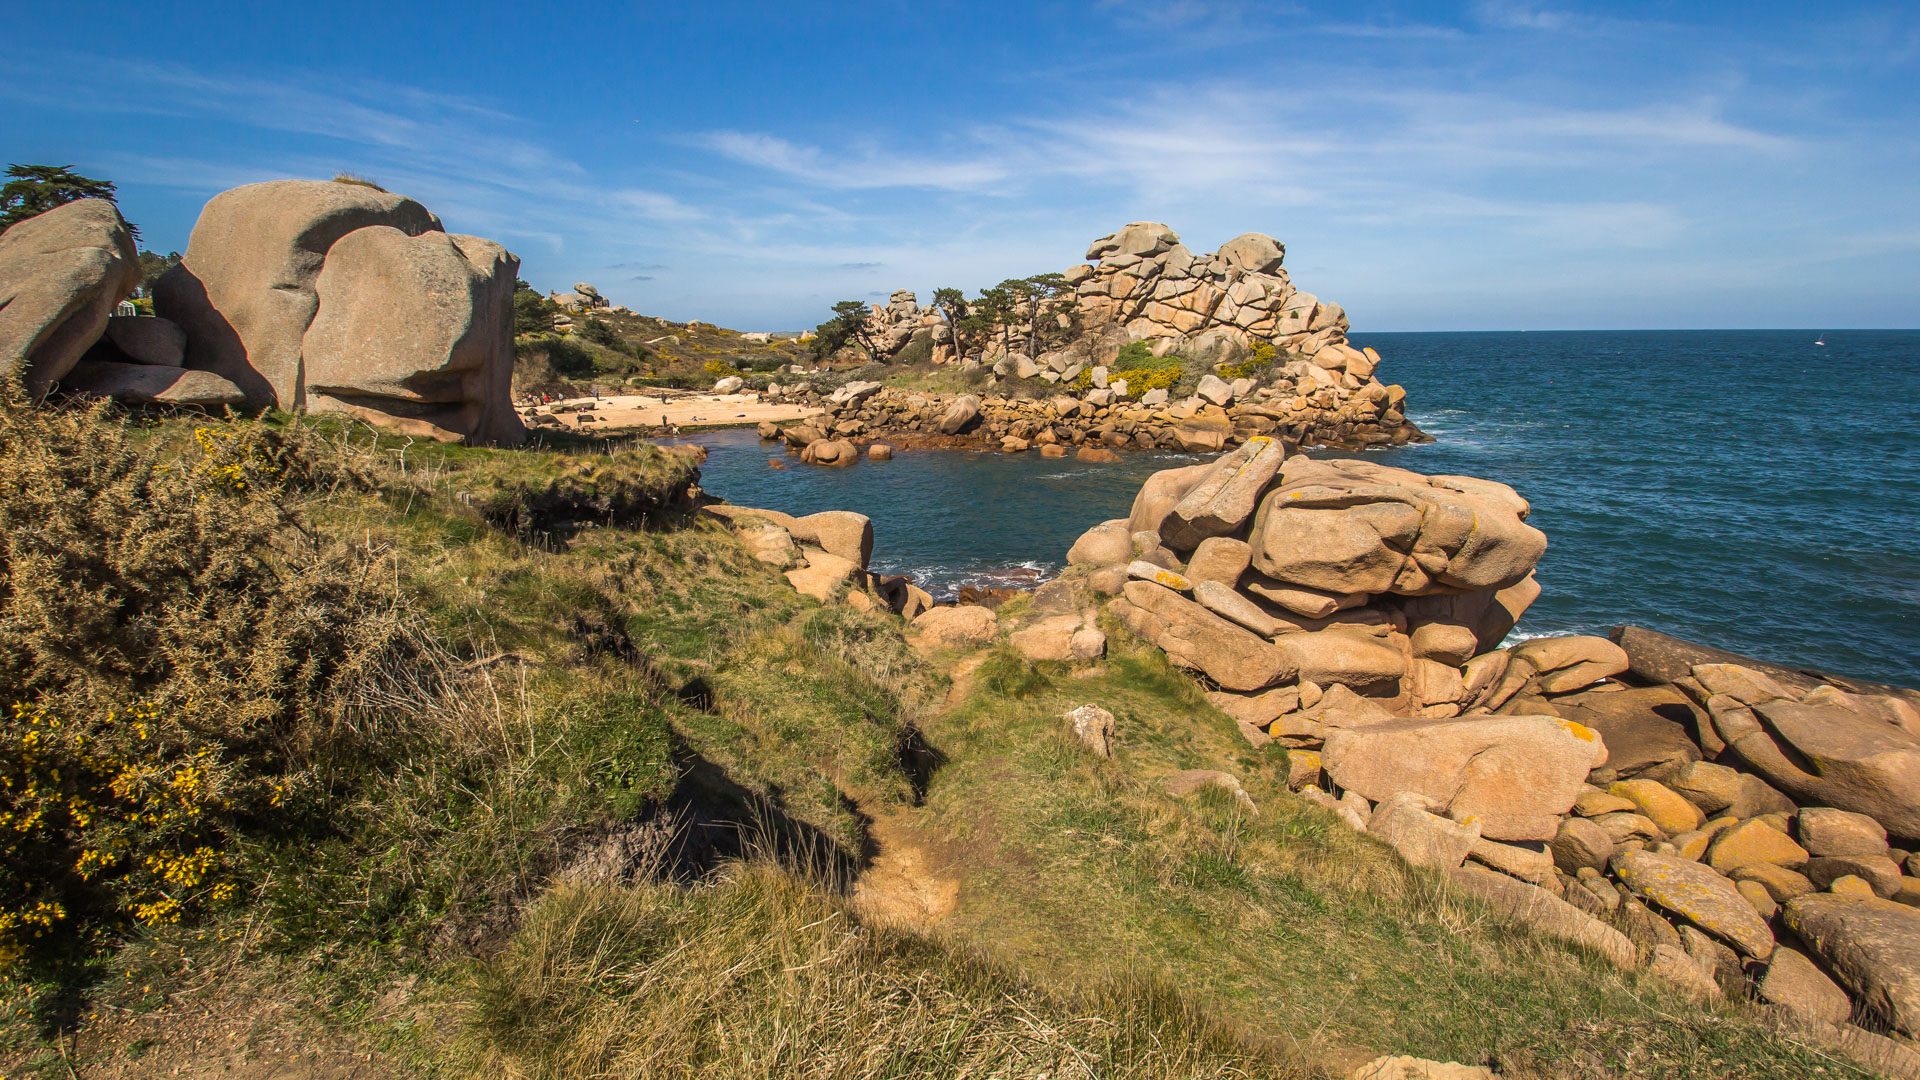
x=1746, y=489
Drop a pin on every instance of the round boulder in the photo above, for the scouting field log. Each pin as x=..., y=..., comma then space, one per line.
x=415, y=332
x=245, y=290
x=830, y=452
x=61, y=275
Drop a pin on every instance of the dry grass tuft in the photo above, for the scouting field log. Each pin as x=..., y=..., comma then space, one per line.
x=763, y=975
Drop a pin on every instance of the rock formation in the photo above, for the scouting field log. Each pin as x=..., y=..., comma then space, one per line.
x=583, y=298
x=312, y=294
x=1233, y=306
x=824, y=556
x=415, y=332
x=1097, y=418
x=61, y=275
x=1712, y=824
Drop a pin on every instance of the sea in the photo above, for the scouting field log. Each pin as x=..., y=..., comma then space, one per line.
x=1756, y=490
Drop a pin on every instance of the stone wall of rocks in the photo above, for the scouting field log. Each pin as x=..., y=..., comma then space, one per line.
x=1223, y=414
x=1735, y=830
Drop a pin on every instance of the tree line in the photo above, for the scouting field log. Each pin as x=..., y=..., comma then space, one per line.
x=1036, y=313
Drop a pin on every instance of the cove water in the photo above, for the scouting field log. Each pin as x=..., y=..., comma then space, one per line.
x=1746, y=489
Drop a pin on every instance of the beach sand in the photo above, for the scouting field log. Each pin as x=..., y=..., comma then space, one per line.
x=684, y=411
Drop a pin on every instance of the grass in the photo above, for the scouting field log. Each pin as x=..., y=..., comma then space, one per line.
x=1284, y=924
x=599, y=811
x=765, y=974
x=581, y=644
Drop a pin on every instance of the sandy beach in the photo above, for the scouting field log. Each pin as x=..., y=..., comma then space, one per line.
x=684, y=411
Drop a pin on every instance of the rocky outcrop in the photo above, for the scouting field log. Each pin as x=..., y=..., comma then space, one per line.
x=1094, y=419
x=1146, y=281
x=309, y=294
x=1267, y=345
x=61, y=275
x=825, y=556
x=583, y=298
x=1688, y=821
x=418, y=329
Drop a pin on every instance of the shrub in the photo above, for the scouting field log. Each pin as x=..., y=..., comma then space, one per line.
x=1132, y=355
x=569, y=358
x=1141, y=380
x=344, y=177
x=1256, y=364
x=598, y=332
x=181, y=662
x=532, y=313
x=917, y=353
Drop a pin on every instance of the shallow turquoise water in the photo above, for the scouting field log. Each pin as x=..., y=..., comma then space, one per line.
x=1748, y=489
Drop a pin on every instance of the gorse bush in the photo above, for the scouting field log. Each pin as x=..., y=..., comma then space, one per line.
x=181, y=661
x=1142, y=370
x=1257, y=362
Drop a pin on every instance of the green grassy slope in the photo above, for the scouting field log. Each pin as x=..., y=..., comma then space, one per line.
x=597, y=808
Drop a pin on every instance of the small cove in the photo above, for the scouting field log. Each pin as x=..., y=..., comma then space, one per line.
x=1725, y=486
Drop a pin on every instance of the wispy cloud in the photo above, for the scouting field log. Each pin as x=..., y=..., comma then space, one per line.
x=863, y=167
x=1392, y=30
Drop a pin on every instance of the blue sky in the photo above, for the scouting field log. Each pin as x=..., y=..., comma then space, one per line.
x=1497, y=165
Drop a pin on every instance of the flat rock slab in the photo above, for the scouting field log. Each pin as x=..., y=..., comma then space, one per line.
x=147, y=384
x=1226, y=496
x=1517, y=774
x=1545, y=912
x=1647, y=729
x=1871, y=945
x=1194, y=637
x=1691, y=890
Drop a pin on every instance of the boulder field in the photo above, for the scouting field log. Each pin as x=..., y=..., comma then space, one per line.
x=304, y=295
x=1658, y=802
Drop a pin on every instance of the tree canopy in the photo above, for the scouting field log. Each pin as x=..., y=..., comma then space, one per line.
x=36, y=189
x=847, y=327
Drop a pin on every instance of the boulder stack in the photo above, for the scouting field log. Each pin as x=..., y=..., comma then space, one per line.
x=340, y=297
x=1730, y=831
x=1220, y=310
x=584, y=298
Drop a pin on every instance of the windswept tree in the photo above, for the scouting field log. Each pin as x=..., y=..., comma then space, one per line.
x=36, y=189
x=989, y=317
x=952, y=305
x=847, y=327
x=532, y=312
x=1053, y=311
